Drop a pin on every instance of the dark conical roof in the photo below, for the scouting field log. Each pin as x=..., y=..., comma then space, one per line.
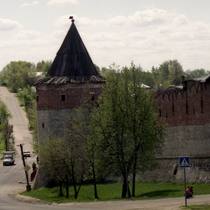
x=72, y=59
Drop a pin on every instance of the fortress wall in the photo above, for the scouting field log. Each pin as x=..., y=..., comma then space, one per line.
x=187, y=106
x=192, y=141
x=186, y=114
x=167, y=170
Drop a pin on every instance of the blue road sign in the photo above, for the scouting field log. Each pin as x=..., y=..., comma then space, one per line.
x=184, y=161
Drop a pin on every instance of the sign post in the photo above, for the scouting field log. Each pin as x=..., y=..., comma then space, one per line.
x=184, y=162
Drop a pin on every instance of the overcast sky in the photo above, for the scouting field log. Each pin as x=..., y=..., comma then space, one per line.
x=146, y=32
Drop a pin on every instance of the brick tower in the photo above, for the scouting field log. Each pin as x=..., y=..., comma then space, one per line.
x=72, y=80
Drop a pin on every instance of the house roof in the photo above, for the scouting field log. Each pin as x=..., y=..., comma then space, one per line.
x=73, y=60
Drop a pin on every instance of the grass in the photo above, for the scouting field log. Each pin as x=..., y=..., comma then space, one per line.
x=198, y=207
x=113, y=192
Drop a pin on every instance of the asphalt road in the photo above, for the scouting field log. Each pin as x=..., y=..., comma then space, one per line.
x=12, y=178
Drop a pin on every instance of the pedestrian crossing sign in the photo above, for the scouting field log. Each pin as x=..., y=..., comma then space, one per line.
x=184, y=161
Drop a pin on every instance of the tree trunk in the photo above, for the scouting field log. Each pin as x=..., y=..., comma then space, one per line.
x=60, y=189
x=134, y=177
x=125, y=188
x=74, y=183
x=67, y=187
x=94, y=181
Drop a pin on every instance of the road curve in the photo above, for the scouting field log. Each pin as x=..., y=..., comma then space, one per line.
x=12, y=178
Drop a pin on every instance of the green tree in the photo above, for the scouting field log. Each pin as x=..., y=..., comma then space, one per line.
x=126, y=125
x=6, y=129
x=43, y=66
x=17, y=75
x=70, y=155
x=169, y=73
x=196, y=73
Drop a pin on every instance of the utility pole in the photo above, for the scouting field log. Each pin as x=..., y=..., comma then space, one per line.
x=28, y=186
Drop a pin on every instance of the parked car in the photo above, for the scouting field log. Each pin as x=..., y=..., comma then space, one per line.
x=8, y=158
x=27, y=154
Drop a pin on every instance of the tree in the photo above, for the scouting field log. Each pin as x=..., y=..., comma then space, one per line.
x=43, y=66
x=67, y=163
x=6, y=130
x=169, y=73
x=17, y=75
x=196, y=73
x=126, y=125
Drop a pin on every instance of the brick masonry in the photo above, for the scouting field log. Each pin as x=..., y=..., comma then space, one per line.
x=186, y=114
x=52, y=97
x=187, y=106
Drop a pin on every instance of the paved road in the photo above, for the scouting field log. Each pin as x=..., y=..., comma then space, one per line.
x=12, y=178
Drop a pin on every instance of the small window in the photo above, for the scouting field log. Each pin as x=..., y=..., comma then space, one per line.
x=37, y=98
x=93, y=98
x=173, y=108
x=187, y=108
x=160, y=114
x=92, y=94
x=63, y=97
x=43, y=125
x=201, y=104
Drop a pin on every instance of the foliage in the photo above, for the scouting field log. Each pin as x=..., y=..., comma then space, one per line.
x=169, y=73
x=196, y=73
x=126, y=125
x=69, y=155
x=17, y=75
x=5, y=129
x=111, y=191
x=43, y=66
x=27, y=98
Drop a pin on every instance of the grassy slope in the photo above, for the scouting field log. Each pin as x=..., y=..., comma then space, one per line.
x=198, y=207
x=113, y=191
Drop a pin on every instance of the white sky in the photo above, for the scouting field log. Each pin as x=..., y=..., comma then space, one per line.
x=147, y=32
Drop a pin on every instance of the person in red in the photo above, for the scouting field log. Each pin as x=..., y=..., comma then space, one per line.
x=189, y=192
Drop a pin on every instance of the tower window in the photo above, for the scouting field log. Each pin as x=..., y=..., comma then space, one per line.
x=92, y=98
x=160, y=114
x=201, y=104
x=173, y=107
x=187, y=107
x=63, y=97
x=43, y=125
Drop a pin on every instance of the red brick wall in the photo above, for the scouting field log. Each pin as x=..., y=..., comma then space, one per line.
x=188, y=106
x=50, y=96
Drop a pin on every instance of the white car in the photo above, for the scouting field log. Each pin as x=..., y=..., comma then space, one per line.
x=8, y=159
